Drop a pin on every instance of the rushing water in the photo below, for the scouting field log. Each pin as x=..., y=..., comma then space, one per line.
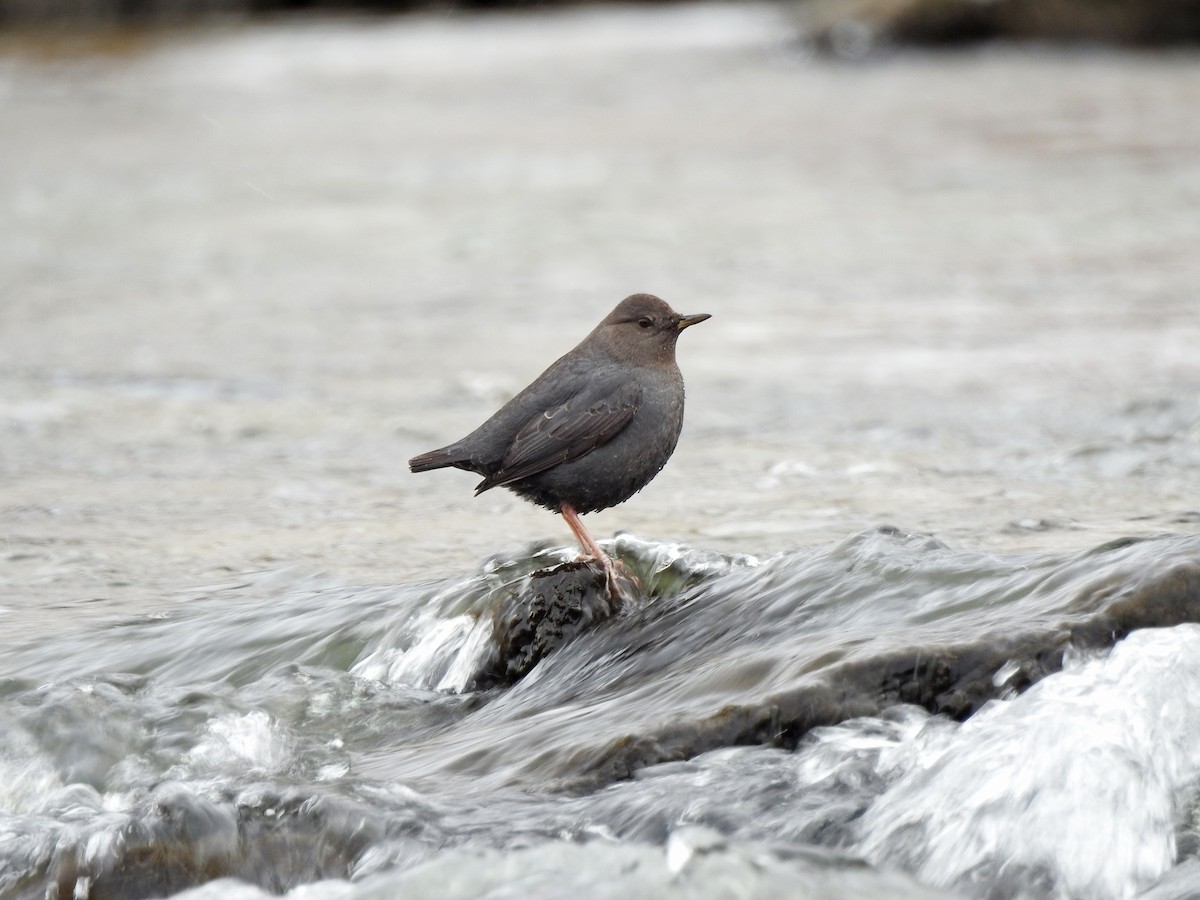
x=245, y=273
x=825, y=720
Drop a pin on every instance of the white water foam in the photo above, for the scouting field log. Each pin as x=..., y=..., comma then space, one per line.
x=1077, y=786
x=441, y=656
x=237, y=742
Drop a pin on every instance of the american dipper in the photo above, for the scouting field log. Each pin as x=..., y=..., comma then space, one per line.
x=593, y=429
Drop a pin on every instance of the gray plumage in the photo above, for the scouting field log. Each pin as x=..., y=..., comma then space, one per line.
x=595, y=427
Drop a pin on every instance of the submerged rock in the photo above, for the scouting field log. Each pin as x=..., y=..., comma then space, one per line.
x=951, y=678
x=750, y=652
x=184, y=840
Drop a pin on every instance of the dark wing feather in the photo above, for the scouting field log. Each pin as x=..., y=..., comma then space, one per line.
x=565, y=433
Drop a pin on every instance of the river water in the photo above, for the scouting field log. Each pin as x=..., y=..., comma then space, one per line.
x=920, y=602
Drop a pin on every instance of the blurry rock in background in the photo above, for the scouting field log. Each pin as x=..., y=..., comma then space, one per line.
x=847, y=28
x=112, y=13
x=855, y=28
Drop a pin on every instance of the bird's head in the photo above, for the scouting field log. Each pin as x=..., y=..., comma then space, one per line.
x=643, y=330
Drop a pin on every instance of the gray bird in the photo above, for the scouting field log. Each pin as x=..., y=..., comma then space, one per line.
x=593, y=429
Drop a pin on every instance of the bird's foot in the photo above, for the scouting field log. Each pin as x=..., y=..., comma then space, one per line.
x=619, y=583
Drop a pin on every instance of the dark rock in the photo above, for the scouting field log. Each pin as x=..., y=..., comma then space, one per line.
x=548, y=609
x=953, y=680
x=277, y=844
x=853, y=27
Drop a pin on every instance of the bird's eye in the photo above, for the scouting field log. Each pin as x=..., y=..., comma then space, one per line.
x=645, y=322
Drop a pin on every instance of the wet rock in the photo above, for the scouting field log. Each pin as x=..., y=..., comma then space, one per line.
x=955, y=680
x=547, y=610
x=276, y=843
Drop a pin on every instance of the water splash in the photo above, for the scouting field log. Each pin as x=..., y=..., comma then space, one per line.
x=1077, y=786
x=249, y=743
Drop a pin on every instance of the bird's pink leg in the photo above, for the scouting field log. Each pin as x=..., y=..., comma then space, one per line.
x=589, y=546
x=586, y=543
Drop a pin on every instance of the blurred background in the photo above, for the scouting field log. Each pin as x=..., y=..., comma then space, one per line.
x=837, y=23
x=255, y=255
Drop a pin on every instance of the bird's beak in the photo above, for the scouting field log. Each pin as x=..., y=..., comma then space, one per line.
x=687, y=321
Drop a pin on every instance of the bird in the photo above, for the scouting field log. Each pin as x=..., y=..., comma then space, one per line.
x=593, y=429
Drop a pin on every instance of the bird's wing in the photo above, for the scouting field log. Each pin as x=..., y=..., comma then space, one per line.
x=567, y=432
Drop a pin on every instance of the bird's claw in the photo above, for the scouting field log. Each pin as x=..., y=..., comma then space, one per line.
x=619, y=583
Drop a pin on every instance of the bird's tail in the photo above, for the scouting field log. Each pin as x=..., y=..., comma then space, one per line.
x=437, y=459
